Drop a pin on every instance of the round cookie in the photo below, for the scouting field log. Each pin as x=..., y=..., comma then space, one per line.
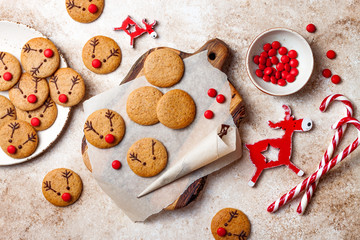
x=84, y=11
x=176, y=109
x=234, y=224
x=41, y=118
x=141, y=105
x=101, y=55
x=18, y=139
x=147, y=157
x=67, y=87
x=62, y=187
x=10, y=71
x=29, y=93
x=7, y=111
x=163, y=68
x=104, y=128
x=40, y=57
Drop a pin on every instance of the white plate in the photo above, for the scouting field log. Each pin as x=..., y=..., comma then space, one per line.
x=13, y=38
x=291, y=40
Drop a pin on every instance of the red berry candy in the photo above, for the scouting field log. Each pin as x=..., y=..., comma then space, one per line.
x=32, y=98
x=274, y=60
x=109, y=138
x=92, y=8
x=268, y=71
x=311, y=28
x=282, y=50
x=35, y=122
x=276, y=45
x=294, y=63
x=266, y=78
x=116, y=164
x=212, y=92
x=221, y=232
x=272, y=52
x=63, y=98
x=278, y=75
x=11, y=149
x=290, y=78
x=66, y=197
x=268, y=62
x=273, y=80
x=285, y=59
x=284, y=74
x=220, y=98
x=267, y=47
x=280, y=66
x=264, y=54
x=256, y=59
x=208, y=114
x=294, y=71
x=262, y=60
x=331, y=54
x=281, y=82
x=96, y=63
x=262, y=66
x=7, y=76
x=287, y=67
x=259, y=73
x=335, y=79
x=326, y=73
x=48, y=53
x=292, y=54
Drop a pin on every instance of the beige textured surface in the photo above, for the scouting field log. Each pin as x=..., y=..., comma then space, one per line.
x=186, y=25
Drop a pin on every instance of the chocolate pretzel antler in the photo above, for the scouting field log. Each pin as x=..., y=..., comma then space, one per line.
x=2, y=55
x=67, y=174
x=134, y=157
x=54, y=80
x=94, y=42
x=109, y=114
x=48, y=103
x=31, y=138
x=74, y=80
x=9, y=112
x=27, y=48
x=47, y=186
x=35, y=70
x=114, y=53
x=71, y=4
x=13, y=126
x=89, y=127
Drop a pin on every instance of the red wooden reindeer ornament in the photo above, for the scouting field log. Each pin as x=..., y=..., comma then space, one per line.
x=284, y=144
x=129, y=22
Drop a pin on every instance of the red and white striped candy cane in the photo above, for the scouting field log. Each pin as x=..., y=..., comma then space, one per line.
x=330, y=150
x=294, y=192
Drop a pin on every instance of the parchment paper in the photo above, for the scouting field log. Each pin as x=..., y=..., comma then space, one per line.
x=123, y=186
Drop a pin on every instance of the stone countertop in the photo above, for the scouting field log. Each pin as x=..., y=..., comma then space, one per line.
x=187, y=25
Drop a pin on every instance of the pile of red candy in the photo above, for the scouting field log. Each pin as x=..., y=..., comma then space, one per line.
x=286, y=68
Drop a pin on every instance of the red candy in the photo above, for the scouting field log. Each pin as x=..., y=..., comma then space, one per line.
x=294, y=63
x=335, y=79
x=326, y=73
x=48, y=53
x=96, y=63
x=259, y=73
x=294, y=71
x=32, y=98
x=221, y=232
x=268, y=71
x=109, y=138
x=262, y=66
x=66, y=197
x=212, y=92
x=287, y=67
x=284, y=74
x=285, y=59
x=262, y=60
x=276, y=45
x=281, y=82
x=331, y=54
x=220, y=98
x=92, y=8
x=63, y=98
x=256, y=59
x=272, y=52
x=311, y=28
x=7, y=76
x=290, y=78
x=274, y=60
x=35, y=122
x=268, y=62
x=292, y=54
x=282, y=50
x=278, y=75
x=264, y=54
x=266, y=78
x=208, y=114
x=273, y=80
x=116, y=164
x=267, y=47
x=280, y=66
x=11, y=149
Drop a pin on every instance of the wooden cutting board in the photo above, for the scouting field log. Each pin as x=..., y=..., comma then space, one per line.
x=217, y=55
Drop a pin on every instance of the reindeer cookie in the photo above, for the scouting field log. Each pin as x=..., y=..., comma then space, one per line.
x=29, y=93
x=230, y=224
x=62, y=187
x=41, y=118
x=7, y=111
x=84, y=11
x=67, y=87
x=101, y=55
x=147, y=157
x=104, y=128
x=18, y=139
x=40, y=57
x=10, y=71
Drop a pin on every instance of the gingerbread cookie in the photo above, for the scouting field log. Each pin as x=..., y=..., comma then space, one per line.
x=40, y=57
x=10, y=71
x=62, y=187
x=67, y=88
x=18, y=139
x=147, y=157
x=229, y=224
x=176, y=109
x=104, y=128
x=7, y=111
x=84, y=11
x=101, y=55
x=163, y=68
x=41, y=118
x=141, y=105
x=29, y=93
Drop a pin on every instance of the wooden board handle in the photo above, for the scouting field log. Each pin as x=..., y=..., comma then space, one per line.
x=218, y=52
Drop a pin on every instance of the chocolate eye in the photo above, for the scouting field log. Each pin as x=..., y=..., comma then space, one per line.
x=35, y=91
x=5, y=67
x=101, y=136
x=83, y=9
x=40, y=50
x=41, y=115
x=19, y=147
x=29, y=116
x=58, y=92
x=58, y=194
x=67, y=188
x=144, y=163
x=45, y=60
x=90, y=0
x=104, y=60
x=10, y=141
x=24, y=96
x=69, y=93
x=93, y=56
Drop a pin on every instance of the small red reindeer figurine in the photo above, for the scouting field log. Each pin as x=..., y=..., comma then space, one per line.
x=289, y=125
x=129, y=22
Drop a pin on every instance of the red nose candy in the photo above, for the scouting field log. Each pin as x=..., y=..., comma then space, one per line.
x=116, y=164
x=66, y=197
x=7, y=76
x=220, y=98
x=92, y=8
x=96, y=63
x=48, y=53
x=311, y=28
x=11, y=149
x=32, y=98
x=208, y=114
x=221, y=232
x=63, y=98
x=35, y=122
x=212, y=92
x=109, y=138
x=326, y=73
x=335, y=79
x=331, y=54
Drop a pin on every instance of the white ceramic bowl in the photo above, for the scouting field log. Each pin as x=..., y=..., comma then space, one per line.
x=291, y=40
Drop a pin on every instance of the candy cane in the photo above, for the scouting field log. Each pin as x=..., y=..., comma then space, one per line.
x=323, y=170
x=330, y=150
